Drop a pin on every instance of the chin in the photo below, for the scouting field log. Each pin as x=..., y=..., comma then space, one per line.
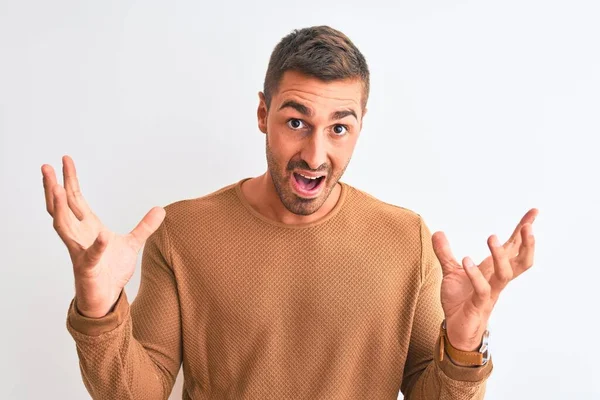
x=305, y=206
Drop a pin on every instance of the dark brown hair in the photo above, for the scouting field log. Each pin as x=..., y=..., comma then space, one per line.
x=318, y=51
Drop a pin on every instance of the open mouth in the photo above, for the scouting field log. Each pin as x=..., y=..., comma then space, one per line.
x=306, y=185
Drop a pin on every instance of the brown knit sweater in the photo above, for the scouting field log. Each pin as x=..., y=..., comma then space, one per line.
x=346, y=307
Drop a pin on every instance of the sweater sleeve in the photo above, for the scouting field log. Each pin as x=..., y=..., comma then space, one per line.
x=425, y=377
x=134, y=352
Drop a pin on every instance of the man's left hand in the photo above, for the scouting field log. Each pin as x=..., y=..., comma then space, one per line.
x=469, y=292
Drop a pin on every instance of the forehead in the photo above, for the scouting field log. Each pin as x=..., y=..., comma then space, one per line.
x=318, y=93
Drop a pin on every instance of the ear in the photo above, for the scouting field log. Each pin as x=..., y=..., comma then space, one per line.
x=262, y=112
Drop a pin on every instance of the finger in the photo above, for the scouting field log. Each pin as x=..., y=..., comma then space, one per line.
x=514, y=241
x=487, y=267
x=503, y=272
x=524, y=260
x=75, y=199
x=63, y=218
x=442, y=250
x=146, y=227
x=49, y=180
x=94, y=252
x=481, y=287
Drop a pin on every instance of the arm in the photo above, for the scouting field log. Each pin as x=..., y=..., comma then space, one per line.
x=425, y=377
x=134, y=352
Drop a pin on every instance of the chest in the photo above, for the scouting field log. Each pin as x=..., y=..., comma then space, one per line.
x=294, y=282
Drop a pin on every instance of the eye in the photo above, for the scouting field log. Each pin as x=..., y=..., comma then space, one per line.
x=295, y=123
x=340, y=130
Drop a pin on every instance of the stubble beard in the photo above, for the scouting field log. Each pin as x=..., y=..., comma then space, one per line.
x=289, y=199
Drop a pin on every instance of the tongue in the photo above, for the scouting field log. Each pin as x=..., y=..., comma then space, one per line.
x=305, y=183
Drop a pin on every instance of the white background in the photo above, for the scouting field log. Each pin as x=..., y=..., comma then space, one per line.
x=479, y=110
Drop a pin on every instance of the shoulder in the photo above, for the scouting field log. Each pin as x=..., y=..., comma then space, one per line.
x=391, y=228
x=383, y=214
x=204, y=209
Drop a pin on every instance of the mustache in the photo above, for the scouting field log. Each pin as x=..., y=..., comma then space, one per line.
x=303, y=165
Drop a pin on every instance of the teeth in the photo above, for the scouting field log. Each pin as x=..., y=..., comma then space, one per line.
x=308, y=177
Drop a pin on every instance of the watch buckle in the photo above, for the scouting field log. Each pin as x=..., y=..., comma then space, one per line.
x=484, y=349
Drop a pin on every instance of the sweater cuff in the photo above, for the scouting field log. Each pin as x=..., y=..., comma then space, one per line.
x=97, y=326
x=460, y=373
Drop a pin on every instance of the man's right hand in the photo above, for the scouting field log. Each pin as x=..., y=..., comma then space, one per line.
x=103, y=261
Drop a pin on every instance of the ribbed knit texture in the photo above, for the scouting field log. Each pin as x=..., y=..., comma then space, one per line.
x=346, y=307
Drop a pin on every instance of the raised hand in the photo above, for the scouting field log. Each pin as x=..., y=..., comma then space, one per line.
x=469, y=292
x=103, y=261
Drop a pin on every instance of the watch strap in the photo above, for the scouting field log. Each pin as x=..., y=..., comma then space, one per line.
x=472, y=358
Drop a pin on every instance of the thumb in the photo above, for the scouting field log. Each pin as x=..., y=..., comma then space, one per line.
x=147, y=226
x=441, y=248
x=93, y=253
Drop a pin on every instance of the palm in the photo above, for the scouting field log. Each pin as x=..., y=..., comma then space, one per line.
x=459, y=298
x=103, y=261
x=457, y=290
x=467, y=305
x=111, y=272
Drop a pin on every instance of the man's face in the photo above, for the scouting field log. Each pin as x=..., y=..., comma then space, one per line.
x=312, y=127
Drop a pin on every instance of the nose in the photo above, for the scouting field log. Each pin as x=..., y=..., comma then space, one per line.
x=314, y=150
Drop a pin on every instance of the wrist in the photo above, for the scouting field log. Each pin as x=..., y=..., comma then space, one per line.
x=465, y=346
x=457, y=339
x=477, y=356
x=95, y=312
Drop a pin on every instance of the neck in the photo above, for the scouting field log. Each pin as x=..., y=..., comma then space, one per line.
x=261, y=194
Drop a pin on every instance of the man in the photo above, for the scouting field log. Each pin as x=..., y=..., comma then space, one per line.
x=290, y=285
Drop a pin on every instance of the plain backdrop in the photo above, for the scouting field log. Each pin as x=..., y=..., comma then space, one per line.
x=479, y=110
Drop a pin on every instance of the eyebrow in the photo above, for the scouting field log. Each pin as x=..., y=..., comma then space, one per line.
x=302, y=109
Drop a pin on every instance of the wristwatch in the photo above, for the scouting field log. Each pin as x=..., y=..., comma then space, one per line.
x=471, y=358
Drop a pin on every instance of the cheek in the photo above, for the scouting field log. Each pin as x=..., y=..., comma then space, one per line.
x=342, y=152
x=282, y=144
